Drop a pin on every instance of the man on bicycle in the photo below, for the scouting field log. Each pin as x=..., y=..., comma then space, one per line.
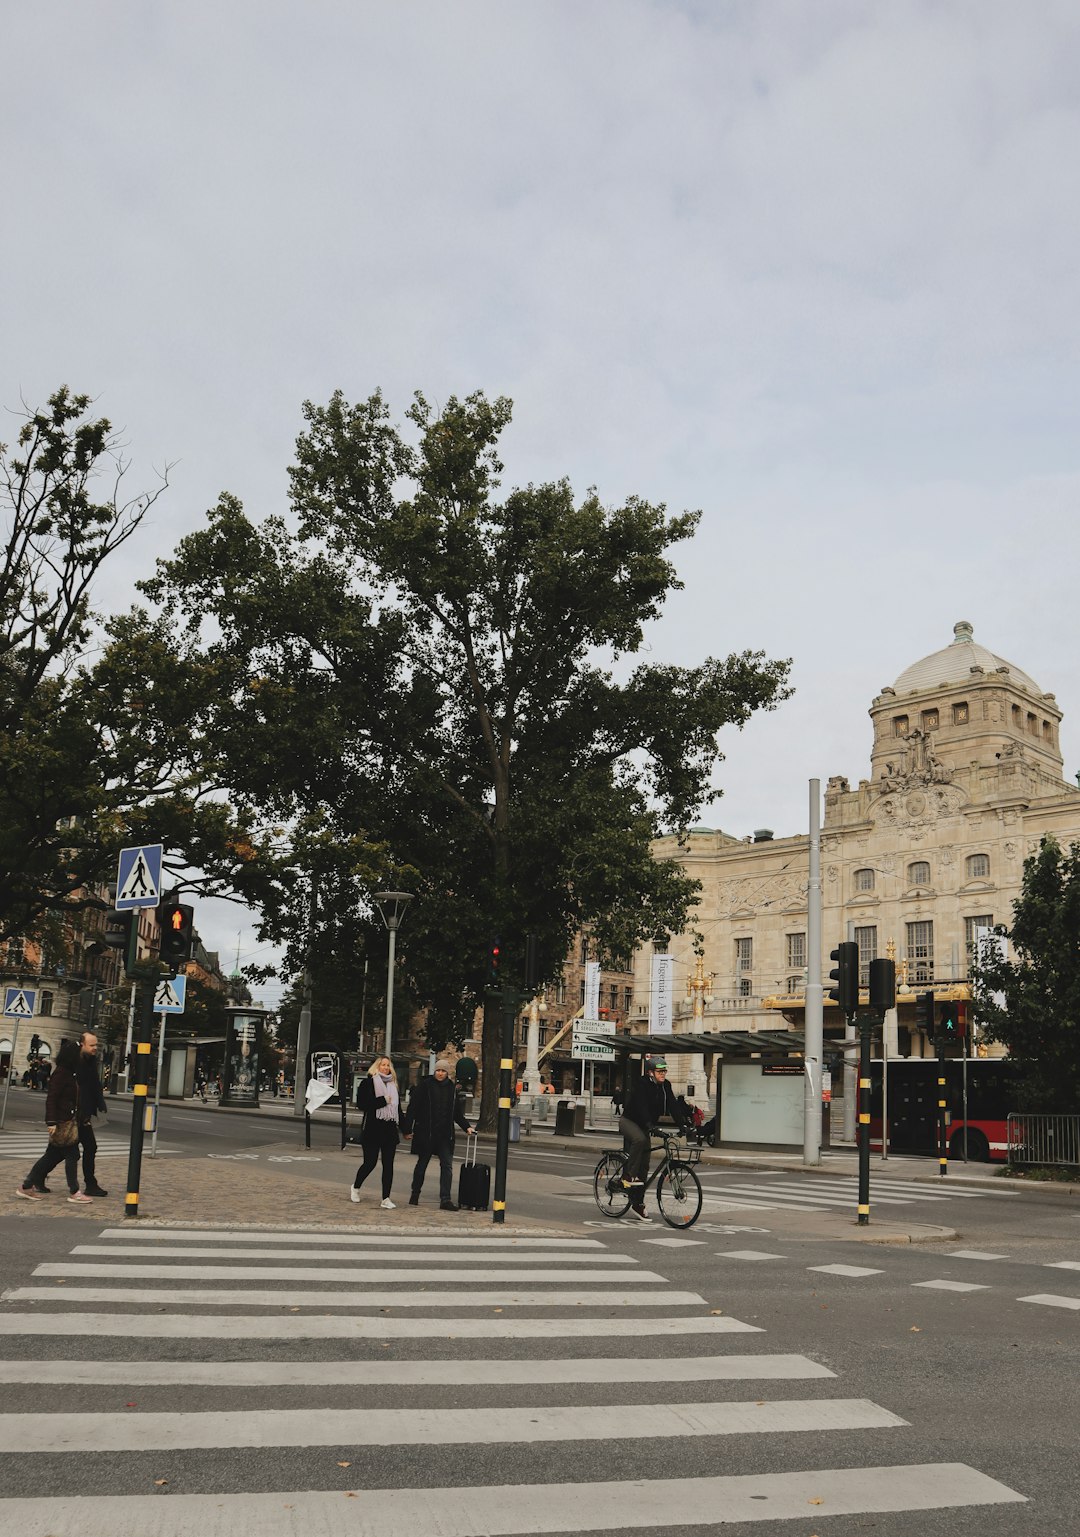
x=650, y=1098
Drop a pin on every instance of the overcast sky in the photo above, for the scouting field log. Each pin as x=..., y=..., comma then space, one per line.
x=809, y=267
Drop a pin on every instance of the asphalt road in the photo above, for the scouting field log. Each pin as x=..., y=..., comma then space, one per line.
x=931, y=1359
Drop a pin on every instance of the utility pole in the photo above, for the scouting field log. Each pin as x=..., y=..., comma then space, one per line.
x=814, y=1043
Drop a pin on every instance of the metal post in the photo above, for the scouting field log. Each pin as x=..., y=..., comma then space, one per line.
x=942, y=1106
x=502, y=1134
x=963, y=1087
x=303, y=1024
x=866, y=1024
x=814, y=1032
x=130, y=1029
x=389, y=1037
x=10, y=1072
x=157, y=1085
x=143, y=1031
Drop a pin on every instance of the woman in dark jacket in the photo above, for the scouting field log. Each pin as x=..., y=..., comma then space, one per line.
x=378, y=1101
x=61, y=1106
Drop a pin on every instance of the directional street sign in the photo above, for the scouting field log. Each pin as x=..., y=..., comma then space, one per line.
x=20, y=1002
x=583, y=1050
x=138, y=878
x=169, y=995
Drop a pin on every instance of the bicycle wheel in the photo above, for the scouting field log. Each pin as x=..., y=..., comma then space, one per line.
x=610, y=1196
x=678, y=1194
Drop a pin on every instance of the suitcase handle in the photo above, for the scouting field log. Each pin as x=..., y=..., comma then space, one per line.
x=470, y=1151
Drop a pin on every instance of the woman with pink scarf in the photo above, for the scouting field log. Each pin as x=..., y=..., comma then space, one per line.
x=378, y=1101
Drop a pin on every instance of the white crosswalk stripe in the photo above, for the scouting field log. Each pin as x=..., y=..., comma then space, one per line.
x=231, y=1449
x=28, y=1147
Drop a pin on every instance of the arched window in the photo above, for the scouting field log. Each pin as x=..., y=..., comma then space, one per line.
x=864, y=880
x=978, y=867
x=918, y=874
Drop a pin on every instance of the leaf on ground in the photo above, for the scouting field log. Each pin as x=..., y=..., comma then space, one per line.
x=351, y=1494
x=160, y=1482
x=130, y=1406
x=914, y=1329
x=716, y=1312
x=344, y=1464
x=817, y=1500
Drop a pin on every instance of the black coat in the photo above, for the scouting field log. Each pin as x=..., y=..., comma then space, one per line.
x=91, y=1099
x=62, y=1100
x=648, y=1100
x=368, y=1100
x=433, y=1113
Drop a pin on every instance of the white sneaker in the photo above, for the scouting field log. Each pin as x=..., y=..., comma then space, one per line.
x=388, y=1205
x=354, y=1194
x=640, y=1213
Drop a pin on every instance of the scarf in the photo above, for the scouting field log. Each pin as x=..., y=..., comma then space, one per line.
x=389, y=1111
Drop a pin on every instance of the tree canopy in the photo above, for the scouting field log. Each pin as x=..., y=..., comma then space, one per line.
x=1030, y=1002
x=437, y=675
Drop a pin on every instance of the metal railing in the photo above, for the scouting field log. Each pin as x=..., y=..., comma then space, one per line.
x=1044, y=1139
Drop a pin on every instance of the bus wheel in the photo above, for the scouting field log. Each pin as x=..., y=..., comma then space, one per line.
x=978, y=1149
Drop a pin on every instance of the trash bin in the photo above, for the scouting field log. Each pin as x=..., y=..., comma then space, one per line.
x=515, y=1128
x=569, y=1118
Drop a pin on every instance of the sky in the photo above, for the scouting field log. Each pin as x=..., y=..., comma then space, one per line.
x=807, y=267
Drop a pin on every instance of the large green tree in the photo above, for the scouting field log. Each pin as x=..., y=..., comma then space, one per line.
x=444, y=676
x=1030, y=1000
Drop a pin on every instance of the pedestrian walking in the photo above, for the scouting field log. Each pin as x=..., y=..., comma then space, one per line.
x=62, y=1119
x=430, y=1119
x=379, y=1102
x=91, y=1103
x=617, y=1101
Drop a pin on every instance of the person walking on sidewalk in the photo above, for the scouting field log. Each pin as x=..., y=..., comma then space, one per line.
x=378, y=1100
x=62, y=1119
x=430, y=1120
x=91, y=1103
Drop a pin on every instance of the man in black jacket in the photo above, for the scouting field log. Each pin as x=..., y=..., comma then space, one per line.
x=430, y=1119
x=650, y=1098
x=91, y=1103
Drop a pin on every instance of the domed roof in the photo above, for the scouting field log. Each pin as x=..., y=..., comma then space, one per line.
x=953, y=664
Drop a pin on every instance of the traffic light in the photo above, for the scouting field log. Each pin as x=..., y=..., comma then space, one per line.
x=953, y=1021
x=882, y=985
x=846, y=976
x=924, y=1012
x=122, y=933
x=177, y=923
x=493, y=963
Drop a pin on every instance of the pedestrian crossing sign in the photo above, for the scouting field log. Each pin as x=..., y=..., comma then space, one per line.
x=138, y=877
x=20, y=1002
x=170, y=995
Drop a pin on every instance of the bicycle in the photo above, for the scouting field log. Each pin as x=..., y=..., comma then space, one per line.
x=678, y=1189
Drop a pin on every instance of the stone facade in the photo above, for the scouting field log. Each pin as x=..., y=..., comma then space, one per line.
x=966, y=777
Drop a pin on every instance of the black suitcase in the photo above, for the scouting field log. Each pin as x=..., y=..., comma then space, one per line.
x=474, y=1180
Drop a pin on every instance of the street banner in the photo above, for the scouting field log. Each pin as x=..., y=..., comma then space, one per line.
x=661, y=995
x=591, y=1009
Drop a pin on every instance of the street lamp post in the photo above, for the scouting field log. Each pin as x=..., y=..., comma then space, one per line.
x=391, y=905
x=531, y=1084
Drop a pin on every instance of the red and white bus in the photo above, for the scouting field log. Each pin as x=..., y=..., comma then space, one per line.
x=979, y=1095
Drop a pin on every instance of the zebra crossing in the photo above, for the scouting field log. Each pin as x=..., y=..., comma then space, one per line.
x=27, y=1147
x=825, y=1192
x=559, y=1378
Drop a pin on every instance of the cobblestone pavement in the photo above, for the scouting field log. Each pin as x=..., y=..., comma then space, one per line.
x=204, y=1192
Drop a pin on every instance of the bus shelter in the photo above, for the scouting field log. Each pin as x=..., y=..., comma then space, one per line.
x=759, y=1080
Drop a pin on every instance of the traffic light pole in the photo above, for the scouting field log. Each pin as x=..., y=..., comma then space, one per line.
x=866, y=1025
x=144, y=1021
x=507, y=1003
x=942, y=1107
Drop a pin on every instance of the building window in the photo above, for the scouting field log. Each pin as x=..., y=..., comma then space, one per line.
x=46, y=1003
x=581, y=994
x=16, y=952
x=864, y=880
x=628, y=999
x=918, y=874
x=614, y=994
x=1033, y=725
x=866, y=939
x=959, y=714
x=900, y=726
x=583, y=955
x=930, y=720
x=1016, y=716
x=744, y=967
x=920, y=952
x=978, y=867
x=796, y=951
x=971, y=927
x=559, y=990
x=1048, y=735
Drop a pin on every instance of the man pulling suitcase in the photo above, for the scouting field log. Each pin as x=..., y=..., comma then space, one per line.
x=429, y=1120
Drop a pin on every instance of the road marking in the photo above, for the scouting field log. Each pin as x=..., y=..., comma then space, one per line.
x=207, y=1326
x=224, y=1297
x=750, y=1254
x=973, y=1254
x=951, y=1286
x=1063, y=1264
x=1050, y=1301
x=676, y=1243
x=350, y=1274
x=521, y=1510
x=451, y=1257
x=215, y=1430
x=846, y=1270
x=292, y=1236
x=320, y=1374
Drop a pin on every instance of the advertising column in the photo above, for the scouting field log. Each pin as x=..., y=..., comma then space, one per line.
x=243, y=1041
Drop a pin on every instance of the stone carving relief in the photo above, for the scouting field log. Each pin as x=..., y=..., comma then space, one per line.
x=750, y=893
x=918, y=808
x=915, y=764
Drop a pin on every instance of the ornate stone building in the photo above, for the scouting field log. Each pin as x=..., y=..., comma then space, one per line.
x=966, y=777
